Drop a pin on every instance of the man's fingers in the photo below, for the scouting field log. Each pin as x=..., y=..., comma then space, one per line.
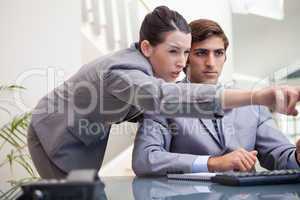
x=254, y=153
x=251, y=155
x=247, y=160
x=251, y=158
x=244, y=160
x=247, y=163
x=240, y=166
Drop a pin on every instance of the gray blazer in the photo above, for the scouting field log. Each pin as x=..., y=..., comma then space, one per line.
x=73, y=121
x=169, y=145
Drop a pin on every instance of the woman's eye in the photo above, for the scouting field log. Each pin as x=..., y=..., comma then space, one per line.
x=173, y=51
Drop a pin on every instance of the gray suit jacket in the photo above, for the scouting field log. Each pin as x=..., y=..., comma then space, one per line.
x=169, y=145
x=73, y=121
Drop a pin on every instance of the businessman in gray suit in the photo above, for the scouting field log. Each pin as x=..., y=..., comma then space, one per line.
x=235, y=142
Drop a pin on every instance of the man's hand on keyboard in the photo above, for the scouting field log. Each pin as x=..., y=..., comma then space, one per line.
x=298, y=150
x=238, y=160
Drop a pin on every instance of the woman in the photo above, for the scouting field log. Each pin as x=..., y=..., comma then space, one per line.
x=70, y=126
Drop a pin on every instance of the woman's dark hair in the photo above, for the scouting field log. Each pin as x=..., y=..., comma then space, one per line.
x=160, y=21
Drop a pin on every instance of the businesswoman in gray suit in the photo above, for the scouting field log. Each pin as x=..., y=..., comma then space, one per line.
x=70, y=126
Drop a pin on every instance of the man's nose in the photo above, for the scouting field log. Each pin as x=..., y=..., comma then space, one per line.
x=211, y=60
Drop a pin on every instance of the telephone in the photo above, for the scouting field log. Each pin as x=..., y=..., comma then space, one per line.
x=79, y=184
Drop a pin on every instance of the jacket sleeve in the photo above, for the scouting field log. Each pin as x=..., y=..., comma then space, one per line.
x=154, y=95
x=151, y=154
x=274, y=149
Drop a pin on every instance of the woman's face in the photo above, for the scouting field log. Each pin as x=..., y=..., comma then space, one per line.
x=169, y=57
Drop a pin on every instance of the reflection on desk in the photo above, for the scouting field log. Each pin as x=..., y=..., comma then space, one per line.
x=128, y=188
x=163, y=188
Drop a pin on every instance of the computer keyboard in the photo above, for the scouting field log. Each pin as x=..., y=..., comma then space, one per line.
x=258, y=178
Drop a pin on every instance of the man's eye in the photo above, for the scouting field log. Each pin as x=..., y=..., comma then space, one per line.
x=219, y=53
x=201, y=53
x=173, y=51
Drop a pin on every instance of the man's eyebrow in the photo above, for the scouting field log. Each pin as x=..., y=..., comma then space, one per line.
x=200, y=49
x=204, y=49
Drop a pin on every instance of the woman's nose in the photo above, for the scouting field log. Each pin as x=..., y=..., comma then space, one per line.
x=181, y=61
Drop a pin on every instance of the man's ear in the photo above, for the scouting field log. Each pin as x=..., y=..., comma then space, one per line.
x=146, y=48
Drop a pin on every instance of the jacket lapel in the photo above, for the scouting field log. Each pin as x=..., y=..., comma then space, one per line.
x=228, y=129
x=209, y=126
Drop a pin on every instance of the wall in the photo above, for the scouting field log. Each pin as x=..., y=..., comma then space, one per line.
x=36, y=34
x=263, y=45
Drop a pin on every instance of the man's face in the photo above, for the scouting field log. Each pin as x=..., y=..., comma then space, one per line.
x=206, y=60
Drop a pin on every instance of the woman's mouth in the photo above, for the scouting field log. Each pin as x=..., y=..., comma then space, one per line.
x=175, y=74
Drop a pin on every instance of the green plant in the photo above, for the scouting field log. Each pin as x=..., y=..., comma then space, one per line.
x=13, y=139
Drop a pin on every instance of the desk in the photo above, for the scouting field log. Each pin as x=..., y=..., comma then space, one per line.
x=134, y=188
x=126, y=188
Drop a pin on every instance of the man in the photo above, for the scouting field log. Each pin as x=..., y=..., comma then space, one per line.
x=235, y=142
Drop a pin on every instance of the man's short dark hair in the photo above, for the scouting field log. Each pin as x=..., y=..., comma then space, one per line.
x=203, y=29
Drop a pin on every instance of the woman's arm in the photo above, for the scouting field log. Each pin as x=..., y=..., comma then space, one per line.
x=192, y=100
x=134, y=87
x=282, y=99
